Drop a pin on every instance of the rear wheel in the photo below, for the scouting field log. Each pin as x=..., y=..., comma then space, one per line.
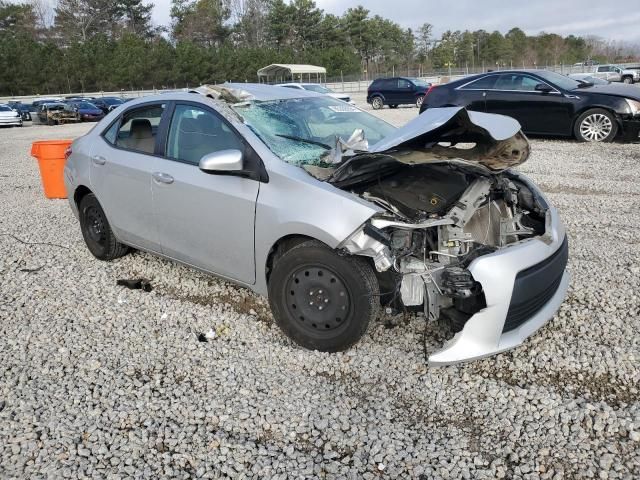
x=377, y=103
x=419, y=101
x=393, y=106
x=97, y=232
x=322, y=300
x=596, y=125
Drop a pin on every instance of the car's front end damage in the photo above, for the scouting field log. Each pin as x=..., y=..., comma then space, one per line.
x=458, y=234
x=462, y=237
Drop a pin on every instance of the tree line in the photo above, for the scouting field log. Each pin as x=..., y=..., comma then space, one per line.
x=106, y=45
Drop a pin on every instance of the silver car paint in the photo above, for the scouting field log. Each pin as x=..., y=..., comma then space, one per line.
x=122, y=182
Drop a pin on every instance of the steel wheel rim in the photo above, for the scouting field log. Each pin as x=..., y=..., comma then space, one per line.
x=419, y=102
x=377, y=103
x=318, y=300
x=95, y=225
x=596, y=127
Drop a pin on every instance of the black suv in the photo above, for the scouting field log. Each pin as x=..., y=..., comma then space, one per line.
x=397, y=91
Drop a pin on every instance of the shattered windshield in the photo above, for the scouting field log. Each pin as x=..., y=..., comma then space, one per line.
x=302, y=131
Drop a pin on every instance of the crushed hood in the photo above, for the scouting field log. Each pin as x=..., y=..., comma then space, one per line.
x=453, y=134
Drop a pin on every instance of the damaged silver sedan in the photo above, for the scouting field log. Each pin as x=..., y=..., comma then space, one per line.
x=330, y=211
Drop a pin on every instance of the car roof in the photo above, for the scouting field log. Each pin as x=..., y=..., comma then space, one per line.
x=258, y=92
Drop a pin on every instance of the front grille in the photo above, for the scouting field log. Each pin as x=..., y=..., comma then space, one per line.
x=535, y=286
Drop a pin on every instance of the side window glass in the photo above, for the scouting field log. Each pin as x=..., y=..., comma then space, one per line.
x=404, y=84
x=484, y=83
x=506, y=82
x=111, y=134
x=524, y=83
x=139, y=128
x=196, y=132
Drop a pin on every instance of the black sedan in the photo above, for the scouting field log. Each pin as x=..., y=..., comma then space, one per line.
x=547, y=103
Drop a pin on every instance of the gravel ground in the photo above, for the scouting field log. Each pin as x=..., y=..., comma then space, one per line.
x=100, y=381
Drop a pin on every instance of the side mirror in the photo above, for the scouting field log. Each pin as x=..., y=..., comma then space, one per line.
x=223, y=161
x=543, y=87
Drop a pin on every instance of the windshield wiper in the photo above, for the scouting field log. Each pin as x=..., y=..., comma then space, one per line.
x=304, y=140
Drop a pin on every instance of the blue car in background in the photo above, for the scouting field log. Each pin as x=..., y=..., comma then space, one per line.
x=397, y=91
x=106, y=104
x=87, y=111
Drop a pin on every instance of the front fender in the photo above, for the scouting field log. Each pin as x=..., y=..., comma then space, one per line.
x=298, y=204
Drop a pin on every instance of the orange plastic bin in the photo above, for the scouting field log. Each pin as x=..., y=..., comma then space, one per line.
x=50, y=155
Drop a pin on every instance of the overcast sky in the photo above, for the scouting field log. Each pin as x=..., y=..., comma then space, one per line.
x=613, y=19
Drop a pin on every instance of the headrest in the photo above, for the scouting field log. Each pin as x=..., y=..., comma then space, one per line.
x=141, y=128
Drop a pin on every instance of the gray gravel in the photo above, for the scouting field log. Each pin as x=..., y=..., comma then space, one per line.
x=100, y=381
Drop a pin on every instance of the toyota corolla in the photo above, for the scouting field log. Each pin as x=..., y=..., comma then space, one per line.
x=330, y=211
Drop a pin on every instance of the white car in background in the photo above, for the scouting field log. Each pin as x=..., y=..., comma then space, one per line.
x=316, y=87
x=9, y=117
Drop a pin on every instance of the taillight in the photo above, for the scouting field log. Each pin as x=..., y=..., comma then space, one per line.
x=67, y=153
x=431, y=87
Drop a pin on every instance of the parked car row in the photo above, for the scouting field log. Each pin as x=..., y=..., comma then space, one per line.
x=56, y=110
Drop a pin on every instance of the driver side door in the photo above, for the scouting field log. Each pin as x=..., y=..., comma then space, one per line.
x=205, y=220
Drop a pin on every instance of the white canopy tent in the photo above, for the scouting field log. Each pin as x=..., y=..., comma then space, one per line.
x=280, y=73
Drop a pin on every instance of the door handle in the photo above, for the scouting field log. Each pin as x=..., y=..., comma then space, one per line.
x=162, y=177
x=98, y=160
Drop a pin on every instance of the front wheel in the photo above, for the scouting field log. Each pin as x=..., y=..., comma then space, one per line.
x=322, y=300
x=627, y=80
x=596, y=125
x=419, y=101
x=377, y=103
x=97, y=232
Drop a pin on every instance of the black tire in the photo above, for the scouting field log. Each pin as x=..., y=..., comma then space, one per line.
x=97, y=232
x=50, y=122
x=419, y=100
x=322, y=300
x=377, y=103
x=627, y=80
x=606, y=132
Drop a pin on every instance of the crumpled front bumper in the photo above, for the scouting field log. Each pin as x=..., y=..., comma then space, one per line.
x=484, y=334
x=630, y=128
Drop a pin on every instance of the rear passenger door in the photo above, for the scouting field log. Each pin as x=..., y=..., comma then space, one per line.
x=204, y=219
x=121, y=166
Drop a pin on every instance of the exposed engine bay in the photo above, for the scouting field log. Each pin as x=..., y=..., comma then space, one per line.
x=444, y=206
x=439, y=218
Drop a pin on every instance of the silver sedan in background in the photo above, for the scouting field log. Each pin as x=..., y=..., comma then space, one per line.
x=330, y=211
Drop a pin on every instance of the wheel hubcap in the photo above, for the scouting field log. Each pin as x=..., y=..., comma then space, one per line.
x=95, y=225
x=419, y=101
x=317, y=298
x=377, y=103
x=596, y=127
